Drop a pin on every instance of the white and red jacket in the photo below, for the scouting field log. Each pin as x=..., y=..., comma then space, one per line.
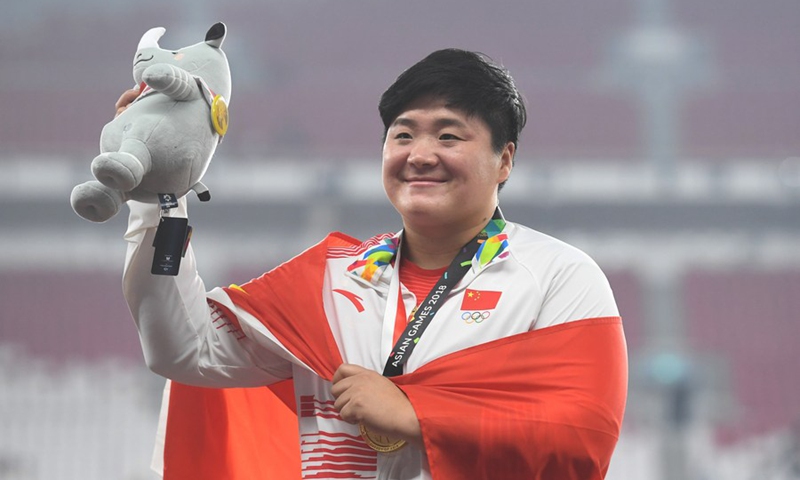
x=521, y=374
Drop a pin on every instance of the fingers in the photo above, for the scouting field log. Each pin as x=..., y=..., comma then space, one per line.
x=125, y=99
x=349, y=410
x=343, y=381
x=346, y=370
x=348, y=385
x=366, y=397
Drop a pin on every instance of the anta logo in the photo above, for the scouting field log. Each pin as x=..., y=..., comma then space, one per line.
x=357, y=301
x=477, y=304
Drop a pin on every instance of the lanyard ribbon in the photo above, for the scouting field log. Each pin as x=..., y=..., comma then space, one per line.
x=428, y=308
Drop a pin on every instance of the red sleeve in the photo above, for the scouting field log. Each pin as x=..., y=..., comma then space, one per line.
x=543, y=405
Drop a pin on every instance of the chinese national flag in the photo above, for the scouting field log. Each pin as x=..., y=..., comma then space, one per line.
x=480, y=300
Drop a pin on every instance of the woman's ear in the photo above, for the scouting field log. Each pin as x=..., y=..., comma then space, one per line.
x=506, y=162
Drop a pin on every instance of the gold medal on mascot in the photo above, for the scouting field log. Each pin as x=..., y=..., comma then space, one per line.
x=219, y=115
x=380, y=443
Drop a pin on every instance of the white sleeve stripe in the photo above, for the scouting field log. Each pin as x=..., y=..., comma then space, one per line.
x=254, y=329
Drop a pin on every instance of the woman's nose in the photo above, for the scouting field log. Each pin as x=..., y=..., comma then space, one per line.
x=422, y=153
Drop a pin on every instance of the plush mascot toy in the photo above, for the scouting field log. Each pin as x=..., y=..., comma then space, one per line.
x=160, y=146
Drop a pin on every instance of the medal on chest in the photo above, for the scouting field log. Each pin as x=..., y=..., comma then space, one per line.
x=380, y=443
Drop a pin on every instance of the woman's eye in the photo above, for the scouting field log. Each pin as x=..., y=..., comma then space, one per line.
x=403, y=135
x=448, y=136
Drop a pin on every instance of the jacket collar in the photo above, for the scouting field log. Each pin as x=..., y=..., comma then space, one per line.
x=376, y=265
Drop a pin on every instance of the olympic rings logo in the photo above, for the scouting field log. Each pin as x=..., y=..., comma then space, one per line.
x=475, y=317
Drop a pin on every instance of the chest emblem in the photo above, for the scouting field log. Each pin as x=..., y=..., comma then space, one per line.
x=476, y=305
x=355, y=299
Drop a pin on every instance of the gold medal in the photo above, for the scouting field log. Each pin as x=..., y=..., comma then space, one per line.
x=219, y=115
x=380, y=443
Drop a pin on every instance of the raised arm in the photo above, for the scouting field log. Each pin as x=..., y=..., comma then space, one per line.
x=183, y=336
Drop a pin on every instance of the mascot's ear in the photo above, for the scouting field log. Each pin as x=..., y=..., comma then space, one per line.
x=216, y=35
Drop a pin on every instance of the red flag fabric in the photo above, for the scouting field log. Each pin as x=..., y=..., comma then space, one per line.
x=480, y=300
x=231, y=433
x=249, y=433
x=297, y=316
x=542, y=405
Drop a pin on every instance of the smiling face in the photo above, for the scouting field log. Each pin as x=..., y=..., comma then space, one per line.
x=439, y=168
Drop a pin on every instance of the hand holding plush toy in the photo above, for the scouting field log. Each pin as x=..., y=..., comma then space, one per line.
x=163, y=142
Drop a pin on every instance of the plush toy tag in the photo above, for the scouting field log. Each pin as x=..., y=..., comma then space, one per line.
x=167, y=201
x=172, y=238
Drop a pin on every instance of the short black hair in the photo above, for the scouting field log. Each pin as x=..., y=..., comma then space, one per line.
x=466, y=81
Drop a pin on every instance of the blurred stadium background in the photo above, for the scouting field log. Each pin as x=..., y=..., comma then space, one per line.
x=664, y=139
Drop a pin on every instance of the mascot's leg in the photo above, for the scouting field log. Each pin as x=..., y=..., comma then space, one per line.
x=123, y=169
x=96, y=202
